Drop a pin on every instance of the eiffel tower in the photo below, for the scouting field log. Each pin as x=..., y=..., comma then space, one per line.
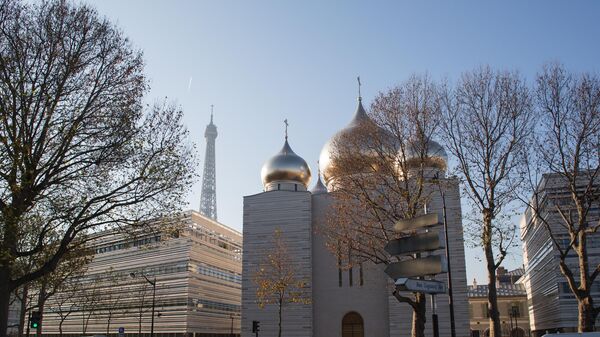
x=208, y=198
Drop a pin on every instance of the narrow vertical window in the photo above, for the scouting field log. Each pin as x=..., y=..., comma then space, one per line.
x=360, y=274
x=339, y=256
x=339, y=271
x=350, y=267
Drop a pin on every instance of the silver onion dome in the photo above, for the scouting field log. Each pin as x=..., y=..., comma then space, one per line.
x=319, y=187
x=285, y=166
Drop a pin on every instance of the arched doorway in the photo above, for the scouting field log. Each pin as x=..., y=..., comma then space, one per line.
x=517, y=332
x=352, y=325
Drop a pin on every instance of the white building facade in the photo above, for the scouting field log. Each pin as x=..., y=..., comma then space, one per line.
x=344, y=303
x=552, y=305
x=195, y=266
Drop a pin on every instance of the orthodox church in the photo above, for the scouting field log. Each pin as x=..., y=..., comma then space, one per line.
x=343, y=303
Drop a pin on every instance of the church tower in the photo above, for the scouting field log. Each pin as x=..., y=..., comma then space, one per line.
x=208, y=198
x=284, y=206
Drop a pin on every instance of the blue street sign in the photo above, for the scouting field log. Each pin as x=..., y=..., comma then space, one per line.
x=121, y=330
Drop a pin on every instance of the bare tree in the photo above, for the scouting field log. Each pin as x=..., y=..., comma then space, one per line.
x=64, y=304
x=79, y=151
x=381, y=175
x=90, y=298
x=565, y=180
x=141, y=294
x=487, y=121
x=276, y=280
x=112, y=299
x=34, y=295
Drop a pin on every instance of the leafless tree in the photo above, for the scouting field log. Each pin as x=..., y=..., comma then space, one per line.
x=487, y=121
x=79, y=151
x=276, y=280
x=34, y=295
x=564, y=177
x=64, y=304
x=112, y=300
x=381, y=175
x=140, y=301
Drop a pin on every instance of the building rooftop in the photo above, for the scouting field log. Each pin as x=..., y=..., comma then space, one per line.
x=504, y=290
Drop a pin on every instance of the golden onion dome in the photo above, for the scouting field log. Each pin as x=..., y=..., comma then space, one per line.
x=285, y=166
x=435, y=156
x=353, y=129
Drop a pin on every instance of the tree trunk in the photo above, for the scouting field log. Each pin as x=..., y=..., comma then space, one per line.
x=4, y=300
x=586, y=313
x=280, y=309
x=419, y=318
x=41, y=304
x=60, y=332
x=587, y=316
x=494, y=313
x=23, y=309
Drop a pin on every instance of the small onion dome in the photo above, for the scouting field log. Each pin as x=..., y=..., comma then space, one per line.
x=285, y=166
x=319, y=187
x=351, y=131
x=435, y=156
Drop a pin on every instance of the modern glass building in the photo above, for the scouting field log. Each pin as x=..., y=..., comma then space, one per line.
x=194, y=265
x=552, y=305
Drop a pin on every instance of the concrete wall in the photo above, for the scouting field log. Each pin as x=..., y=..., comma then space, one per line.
x=264, y=213
x=332, y=301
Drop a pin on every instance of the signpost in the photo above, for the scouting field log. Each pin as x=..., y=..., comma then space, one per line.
x=430, y=265
x=423, y=286
x=404, y=272
x=423, y=221
x=423, y=242
x=121, y=331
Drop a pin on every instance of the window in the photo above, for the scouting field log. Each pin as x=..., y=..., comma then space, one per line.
x=515, y=310
x=360, y=270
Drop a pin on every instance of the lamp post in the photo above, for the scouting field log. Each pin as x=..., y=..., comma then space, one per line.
x=153, y=283
x=231, y=332
x=449, y=275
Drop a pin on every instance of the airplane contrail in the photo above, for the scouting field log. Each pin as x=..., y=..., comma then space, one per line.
x=190, y=84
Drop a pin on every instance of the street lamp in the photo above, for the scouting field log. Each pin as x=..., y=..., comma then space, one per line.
x=450, y=296
x=153, y=283
x=231, y=332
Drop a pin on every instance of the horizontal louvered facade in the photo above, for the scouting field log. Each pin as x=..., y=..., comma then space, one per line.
x=197, y=272
x=552, y=306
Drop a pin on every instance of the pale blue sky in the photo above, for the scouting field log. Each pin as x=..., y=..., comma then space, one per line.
x=260, y=62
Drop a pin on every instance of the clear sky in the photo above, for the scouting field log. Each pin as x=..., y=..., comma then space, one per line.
x=260, y=62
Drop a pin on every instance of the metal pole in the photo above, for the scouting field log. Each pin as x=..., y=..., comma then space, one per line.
x=516, y=323
x=434, y=318
x=231, y=332
x=153, y=304
x=450, y=297
x=28, y=323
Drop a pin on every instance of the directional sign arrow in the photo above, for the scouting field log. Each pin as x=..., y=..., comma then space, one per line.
x=422, y=286
x=423, y=242
x=427, y=220
x=430, y=265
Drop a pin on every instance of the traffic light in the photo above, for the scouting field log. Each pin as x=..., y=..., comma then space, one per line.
x=255, y=326
x=35, y=320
